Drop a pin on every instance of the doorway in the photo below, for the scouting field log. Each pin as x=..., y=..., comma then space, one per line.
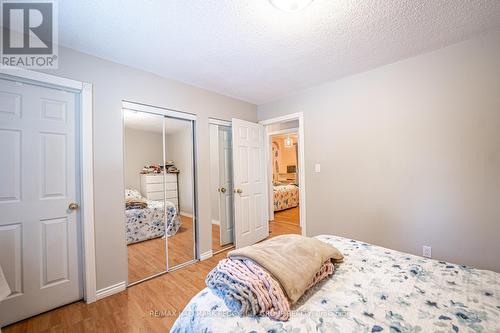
x=253, y=200
x=285, y=174
x=286, y=185
x=221, y=185
x=160, y=205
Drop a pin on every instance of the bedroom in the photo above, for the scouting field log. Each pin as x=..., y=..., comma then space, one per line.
x=284, y=176
x=395, y=108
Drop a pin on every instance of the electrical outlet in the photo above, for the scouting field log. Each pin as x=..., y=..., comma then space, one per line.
x=427, y=251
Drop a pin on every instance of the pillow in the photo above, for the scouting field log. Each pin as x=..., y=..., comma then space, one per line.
x=132, y=194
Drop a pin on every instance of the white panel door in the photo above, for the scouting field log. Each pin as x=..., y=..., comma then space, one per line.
x=250, y=208
x=226, y=215
x=38, y=233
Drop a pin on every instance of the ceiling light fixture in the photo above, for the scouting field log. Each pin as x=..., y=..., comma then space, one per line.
x=290, y=5
x=288, y=142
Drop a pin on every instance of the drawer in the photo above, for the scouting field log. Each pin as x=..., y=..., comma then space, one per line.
x=171, y=178
x=155, y=195
x=153, y=179
x=174, y=201
x=155, y=187
x=171, y=186
x=171, y=194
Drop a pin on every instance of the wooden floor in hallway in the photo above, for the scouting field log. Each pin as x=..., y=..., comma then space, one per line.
x=290, y=215
x=151, y=306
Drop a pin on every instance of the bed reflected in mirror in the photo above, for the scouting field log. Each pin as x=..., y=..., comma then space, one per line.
x=160, y=223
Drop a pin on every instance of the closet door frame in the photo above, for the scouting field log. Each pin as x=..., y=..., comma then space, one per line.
x=174, y=114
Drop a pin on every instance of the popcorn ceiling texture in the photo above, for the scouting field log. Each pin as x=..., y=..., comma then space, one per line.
x=252, y=51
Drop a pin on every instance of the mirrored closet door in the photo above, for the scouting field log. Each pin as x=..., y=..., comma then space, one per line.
x=160, y=224
x=221, y=186
x=180, y=188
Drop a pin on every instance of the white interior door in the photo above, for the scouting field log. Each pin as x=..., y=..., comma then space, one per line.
x=249, y=175
x=38, y=232
x=226, y=183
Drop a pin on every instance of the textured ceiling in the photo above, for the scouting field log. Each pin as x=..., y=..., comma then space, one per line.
x=252, y=51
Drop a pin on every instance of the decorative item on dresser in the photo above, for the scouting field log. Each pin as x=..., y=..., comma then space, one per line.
x=154, y=185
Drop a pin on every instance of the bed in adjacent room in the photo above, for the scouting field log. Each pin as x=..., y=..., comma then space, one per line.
x=147, y=221
x=374, y=290
x=285, y=196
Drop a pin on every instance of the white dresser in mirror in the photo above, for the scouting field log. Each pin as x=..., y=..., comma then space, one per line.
x=152, y=186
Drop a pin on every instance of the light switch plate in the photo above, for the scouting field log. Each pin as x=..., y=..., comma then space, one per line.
x=317, y=167
x=427, y=251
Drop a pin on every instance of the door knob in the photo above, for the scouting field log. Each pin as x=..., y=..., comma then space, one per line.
x=238, y=190
x=222, y=190
x=73, y=206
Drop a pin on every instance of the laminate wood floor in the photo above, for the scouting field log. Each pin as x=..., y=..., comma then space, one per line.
x=216, y=239
x=149, y=257
x=290, y=215
x=151, y=306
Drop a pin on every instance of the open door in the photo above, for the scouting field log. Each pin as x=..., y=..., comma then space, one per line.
x=249, y=179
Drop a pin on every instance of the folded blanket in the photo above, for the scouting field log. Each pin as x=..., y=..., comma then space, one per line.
x=293, y=260
x=248, y=288
x=135, y=203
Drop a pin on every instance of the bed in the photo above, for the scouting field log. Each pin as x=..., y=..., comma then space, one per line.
x=285, y=196
x=374, y=290
x=147, y=223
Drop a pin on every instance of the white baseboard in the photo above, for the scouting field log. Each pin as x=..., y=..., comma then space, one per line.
x=186, y=214
x=206, y=255
x=217, y=222
x=111, y=290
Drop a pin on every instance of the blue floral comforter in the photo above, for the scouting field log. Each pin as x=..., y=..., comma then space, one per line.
x=374, y=290
x=147, y=223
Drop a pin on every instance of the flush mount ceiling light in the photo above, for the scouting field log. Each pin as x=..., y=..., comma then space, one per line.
x=290, y=5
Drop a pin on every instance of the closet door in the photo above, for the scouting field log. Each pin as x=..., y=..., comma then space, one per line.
x=145, y=188
x=179, y=191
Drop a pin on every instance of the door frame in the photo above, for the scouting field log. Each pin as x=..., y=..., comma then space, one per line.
x=301, y=163
x=86, y=176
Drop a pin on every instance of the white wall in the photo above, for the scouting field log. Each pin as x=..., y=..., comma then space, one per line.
x=409, y=153
x=113, y=83
x=140, y=148
x=179, y=147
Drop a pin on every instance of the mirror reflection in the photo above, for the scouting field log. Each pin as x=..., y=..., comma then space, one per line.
x=179, y=188
x=159, y=193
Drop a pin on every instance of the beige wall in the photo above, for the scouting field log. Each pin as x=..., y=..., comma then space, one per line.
x=113, y=83
x=409, y=153
x=140, y=148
